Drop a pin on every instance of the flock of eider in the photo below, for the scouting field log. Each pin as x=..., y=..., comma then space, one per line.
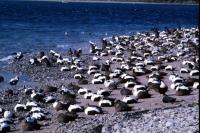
x=117, y=65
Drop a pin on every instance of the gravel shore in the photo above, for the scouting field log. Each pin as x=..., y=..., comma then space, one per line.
x=147, y=115
x=172, y=120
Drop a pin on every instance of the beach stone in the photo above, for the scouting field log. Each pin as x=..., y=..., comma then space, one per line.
x=169, y=123
x=66, y=117
x=30, y=126
x=8, y=93
x=1, y=78
x=48, y=88
x=83, y=82
x=97, y=129
x=106, y=129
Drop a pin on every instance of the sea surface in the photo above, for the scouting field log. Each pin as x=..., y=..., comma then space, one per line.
x=41, y=26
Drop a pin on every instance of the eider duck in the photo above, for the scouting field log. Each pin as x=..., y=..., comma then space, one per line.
x=103, y=92
x=78, y=76
x=63, y=69
x=38, y=116
x=96, y=97
x=97, y=81
x=195, y=85
x=75, y=108
x=105, y=103
x=182, y=90
x=184, y=70
x=49, y=99
x=36, y=96
x=129, y=100
x=30, y=105
x=194, y=73
x=169, y=68
x=88, y=95
x=60, y=105
x=19, y=107
x=129, y=84
x=141, y=94
x=82, y=91
x=8, y=114
x=14, y=80
x=110, y=84
x=28, y=91
x=4, y=127
x=92, y=110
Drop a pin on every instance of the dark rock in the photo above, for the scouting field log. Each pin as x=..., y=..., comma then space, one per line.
x=1, y=78
x=157, y=88
x=50, y=88
x=125, y=92
x=68, y=98
x=8, y=93
x=143, y=95
x=183, y=92
x=83, y=81
x=121, y=106
x=30, y=125
x=105, y=67
x=66, y=117
x=167, y=99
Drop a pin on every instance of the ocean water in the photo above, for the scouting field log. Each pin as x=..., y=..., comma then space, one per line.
x=36, y=26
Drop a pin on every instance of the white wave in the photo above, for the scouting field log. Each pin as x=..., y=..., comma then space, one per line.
x=6, y=58
x=62, y=46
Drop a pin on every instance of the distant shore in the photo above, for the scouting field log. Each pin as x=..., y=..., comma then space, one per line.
x=121, y=2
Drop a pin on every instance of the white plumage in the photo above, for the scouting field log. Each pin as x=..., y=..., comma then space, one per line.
x=38, y=116
x=82, y=91
x=139, y=87
x=104, y=102
x=8, y=114
x=108, y=83
x=88, y=95
x=95, y=110
x=19, y=107
x=194, y=72
x=96, y=97
x=74, y=107
x=97, y=81
x=129, y=84
x=169, y=68
x=195, y=85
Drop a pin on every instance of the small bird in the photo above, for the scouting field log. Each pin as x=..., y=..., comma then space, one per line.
x=92, y=110
x=14, y=80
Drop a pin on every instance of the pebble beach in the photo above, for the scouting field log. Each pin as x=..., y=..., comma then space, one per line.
x=148, y=82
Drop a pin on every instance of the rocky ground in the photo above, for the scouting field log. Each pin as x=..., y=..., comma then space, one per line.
x=171, y=120
x=148, y=115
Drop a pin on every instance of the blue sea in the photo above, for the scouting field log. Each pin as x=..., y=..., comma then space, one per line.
x=35, y=26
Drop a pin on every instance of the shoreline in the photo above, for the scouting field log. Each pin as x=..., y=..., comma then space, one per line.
x=120, y=2
x=114, y=2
